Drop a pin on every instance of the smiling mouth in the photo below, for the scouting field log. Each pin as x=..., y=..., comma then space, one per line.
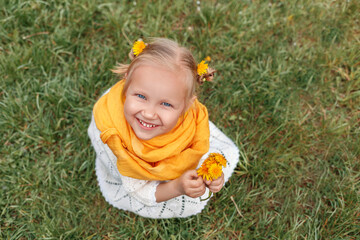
x=146, y=124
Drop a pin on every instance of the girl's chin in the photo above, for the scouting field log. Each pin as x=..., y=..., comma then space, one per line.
x=144, y=133
x=147, y=134
x=145, y=137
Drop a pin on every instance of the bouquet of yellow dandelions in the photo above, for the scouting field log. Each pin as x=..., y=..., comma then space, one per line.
x=211, y=168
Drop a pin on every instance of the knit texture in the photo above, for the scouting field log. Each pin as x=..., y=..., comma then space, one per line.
x=138, y=196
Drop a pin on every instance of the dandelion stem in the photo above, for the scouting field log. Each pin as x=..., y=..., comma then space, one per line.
x=210, y=193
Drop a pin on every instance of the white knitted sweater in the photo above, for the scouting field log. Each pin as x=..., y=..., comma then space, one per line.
x=138, y=196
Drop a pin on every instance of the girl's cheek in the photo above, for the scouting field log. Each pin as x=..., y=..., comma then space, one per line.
x=172, y=117
x=130, y=104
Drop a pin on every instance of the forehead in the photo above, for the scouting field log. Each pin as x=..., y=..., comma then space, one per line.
x=159, y=81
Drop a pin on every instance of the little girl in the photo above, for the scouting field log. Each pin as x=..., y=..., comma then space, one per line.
x=150, y=134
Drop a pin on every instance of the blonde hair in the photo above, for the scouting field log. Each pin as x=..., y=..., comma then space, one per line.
x=166, y=53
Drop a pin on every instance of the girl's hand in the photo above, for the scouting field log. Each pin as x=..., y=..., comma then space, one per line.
x=191, y=184
x=215, y=185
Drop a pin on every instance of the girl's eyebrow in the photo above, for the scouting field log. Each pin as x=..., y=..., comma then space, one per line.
x=138, y=90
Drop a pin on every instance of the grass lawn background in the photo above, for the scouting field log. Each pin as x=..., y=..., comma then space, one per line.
x=287, y=92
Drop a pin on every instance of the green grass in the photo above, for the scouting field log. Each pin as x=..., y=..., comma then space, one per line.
x=287, y=92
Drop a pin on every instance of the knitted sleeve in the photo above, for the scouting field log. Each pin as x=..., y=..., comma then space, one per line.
x=143, y=191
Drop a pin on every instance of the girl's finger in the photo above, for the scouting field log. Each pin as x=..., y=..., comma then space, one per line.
x=219, y=179
x=192, y=174
x=200, y=188
x=196, y=192
x=200, y=193
x=215, y=189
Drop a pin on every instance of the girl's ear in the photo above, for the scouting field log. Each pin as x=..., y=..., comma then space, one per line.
x=190, y=102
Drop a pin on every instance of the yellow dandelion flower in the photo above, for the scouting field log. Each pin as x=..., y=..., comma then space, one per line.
x=211, y=168
x=215, y=171
x=202, y=68
x=219, y=158
x=290, y=18
x=138, y=47
x=203, y=171
x=210, y=161
x=208, y=58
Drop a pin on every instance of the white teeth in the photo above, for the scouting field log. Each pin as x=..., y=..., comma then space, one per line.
x=146, y=125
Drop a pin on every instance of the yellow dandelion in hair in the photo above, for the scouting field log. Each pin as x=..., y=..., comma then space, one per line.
x=138, y=47
x=202, y=68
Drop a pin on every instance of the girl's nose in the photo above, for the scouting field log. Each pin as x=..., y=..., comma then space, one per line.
x=149, y=113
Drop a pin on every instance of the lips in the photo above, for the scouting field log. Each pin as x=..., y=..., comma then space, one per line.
x=146, y=125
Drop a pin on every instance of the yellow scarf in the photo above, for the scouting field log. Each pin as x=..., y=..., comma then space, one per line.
x=163, y=157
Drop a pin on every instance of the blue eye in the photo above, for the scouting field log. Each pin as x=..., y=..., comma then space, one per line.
x=166, y=104
x=141, y=96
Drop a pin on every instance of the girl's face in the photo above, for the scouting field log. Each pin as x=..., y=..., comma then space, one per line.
x=155, y=99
